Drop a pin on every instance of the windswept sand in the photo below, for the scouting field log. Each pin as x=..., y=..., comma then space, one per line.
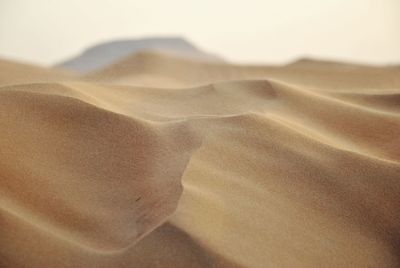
x=281, y=166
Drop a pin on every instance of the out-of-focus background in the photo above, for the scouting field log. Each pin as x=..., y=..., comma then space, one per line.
x=263, y=31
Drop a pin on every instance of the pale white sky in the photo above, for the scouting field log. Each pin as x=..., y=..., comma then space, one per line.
x=271, y=31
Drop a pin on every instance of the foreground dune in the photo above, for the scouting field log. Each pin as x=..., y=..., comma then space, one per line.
x=291, y=166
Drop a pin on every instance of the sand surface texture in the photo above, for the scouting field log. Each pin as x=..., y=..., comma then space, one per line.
x=162, y=161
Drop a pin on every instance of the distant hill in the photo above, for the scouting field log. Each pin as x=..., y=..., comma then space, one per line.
x=101, y=55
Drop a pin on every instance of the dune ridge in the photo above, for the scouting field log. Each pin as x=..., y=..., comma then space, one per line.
x=153, y=68
x=159, y=161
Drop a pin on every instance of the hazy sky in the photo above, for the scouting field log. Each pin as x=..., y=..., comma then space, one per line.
x=47, y=31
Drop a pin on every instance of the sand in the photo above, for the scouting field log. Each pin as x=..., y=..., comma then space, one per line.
x=164, y=161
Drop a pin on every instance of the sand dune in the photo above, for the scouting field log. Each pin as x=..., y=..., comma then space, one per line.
x=156, y=69
x=20, y=73
x=281, y=166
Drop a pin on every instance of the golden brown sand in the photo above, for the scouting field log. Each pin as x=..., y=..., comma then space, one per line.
x=289, y=166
